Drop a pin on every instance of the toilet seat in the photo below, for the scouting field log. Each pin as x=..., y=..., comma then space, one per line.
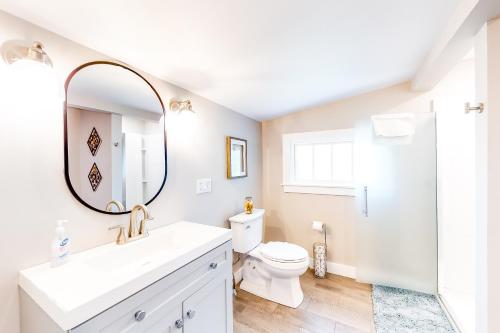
x=283, y=252
x=280, y=265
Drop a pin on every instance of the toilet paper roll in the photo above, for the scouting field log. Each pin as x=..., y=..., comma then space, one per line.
x=318, y=226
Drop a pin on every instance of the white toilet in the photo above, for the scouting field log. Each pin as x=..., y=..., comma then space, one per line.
x=270, y=270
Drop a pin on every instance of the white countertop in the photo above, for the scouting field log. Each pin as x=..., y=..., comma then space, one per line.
x=95, y=280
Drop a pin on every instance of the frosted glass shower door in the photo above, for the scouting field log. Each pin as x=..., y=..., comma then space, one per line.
x=396, y=203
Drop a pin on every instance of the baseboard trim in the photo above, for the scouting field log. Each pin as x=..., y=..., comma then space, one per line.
x=338, y=269
x=331, y=267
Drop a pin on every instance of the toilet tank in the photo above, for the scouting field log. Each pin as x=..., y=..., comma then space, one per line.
x=247, y=230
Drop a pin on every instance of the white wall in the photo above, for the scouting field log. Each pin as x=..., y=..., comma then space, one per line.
x=480, y=49
x=487, y=45
x=493, y=172
x=456, y=193
x=33, y=193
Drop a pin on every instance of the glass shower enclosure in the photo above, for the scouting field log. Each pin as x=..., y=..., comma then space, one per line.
x=396, y=223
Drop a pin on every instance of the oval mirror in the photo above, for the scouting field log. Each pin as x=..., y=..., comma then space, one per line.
x=114, y=141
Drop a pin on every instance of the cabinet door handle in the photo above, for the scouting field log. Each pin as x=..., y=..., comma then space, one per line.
x=213, y=265
x=179, y=323
x=190, y=314
x=140, y=315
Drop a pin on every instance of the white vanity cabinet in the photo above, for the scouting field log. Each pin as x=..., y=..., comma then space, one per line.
x=196, y=298
x=204, y=311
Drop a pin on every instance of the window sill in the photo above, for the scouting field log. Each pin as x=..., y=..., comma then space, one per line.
x=315, y=189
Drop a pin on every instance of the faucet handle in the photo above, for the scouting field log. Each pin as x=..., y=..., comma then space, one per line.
x=120, y=239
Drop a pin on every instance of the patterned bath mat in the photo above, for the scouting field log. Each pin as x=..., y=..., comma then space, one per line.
x=405, y=311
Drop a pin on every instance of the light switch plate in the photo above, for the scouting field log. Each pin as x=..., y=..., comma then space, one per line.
x=203, y=185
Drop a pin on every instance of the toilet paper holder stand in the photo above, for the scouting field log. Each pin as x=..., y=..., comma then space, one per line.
x=323, y=228
x=320, y=252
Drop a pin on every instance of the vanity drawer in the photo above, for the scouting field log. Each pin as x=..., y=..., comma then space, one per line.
x=160, y=304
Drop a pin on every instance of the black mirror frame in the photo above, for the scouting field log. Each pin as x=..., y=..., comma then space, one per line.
x=66, y=162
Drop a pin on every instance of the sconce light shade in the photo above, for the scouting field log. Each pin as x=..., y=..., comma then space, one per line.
x=180, y=106
x=15, y=50
x=30, y=74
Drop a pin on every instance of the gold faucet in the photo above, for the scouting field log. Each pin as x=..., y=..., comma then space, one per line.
x=132, y=227
x=133, y=233
x=115, y=203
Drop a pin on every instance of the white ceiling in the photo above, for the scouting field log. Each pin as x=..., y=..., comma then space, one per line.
x=262, y=58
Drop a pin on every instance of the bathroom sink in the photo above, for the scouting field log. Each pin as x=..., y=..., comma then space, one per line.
x=162, y=244
x=94, y=280
x=146, y=251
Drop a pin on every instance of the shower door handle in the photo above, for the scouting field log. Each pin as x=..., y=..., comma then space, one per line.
x=365, y=210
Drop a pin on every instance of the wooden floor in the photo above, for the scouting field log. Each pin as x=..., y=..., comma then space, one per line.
x=332, y=305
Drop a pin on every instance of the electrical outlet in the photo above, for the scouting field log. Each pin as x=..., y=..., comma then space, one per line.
x=203, y=185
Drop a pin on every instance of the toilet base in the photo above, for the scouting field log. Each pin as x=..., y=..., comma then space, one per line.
x=290, y=298
x=258, y=281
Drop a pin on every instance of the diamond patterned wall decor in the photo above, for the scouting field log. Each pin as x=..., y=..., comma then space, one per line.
x=94, y=141
x=95, y=177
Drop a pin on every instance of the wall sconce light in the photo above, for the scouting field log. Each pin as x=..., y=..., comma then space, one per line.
x=180, y=106
x=31, y=74
x=14, y=50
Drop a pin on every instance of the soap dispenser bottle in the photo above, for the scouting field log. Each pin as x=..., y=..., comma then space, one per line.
x=60, y=245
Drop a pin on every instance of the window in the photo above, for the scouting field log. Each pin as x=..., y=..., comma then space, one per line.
x=318, y=162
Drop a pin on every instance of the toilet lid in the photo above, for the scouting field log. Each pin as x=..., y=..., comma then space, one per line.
x=283, y=252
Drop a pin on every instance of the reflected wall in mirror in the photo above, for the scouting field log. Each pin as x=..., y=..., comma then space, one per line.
x=115, y=121
x=236, y=156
